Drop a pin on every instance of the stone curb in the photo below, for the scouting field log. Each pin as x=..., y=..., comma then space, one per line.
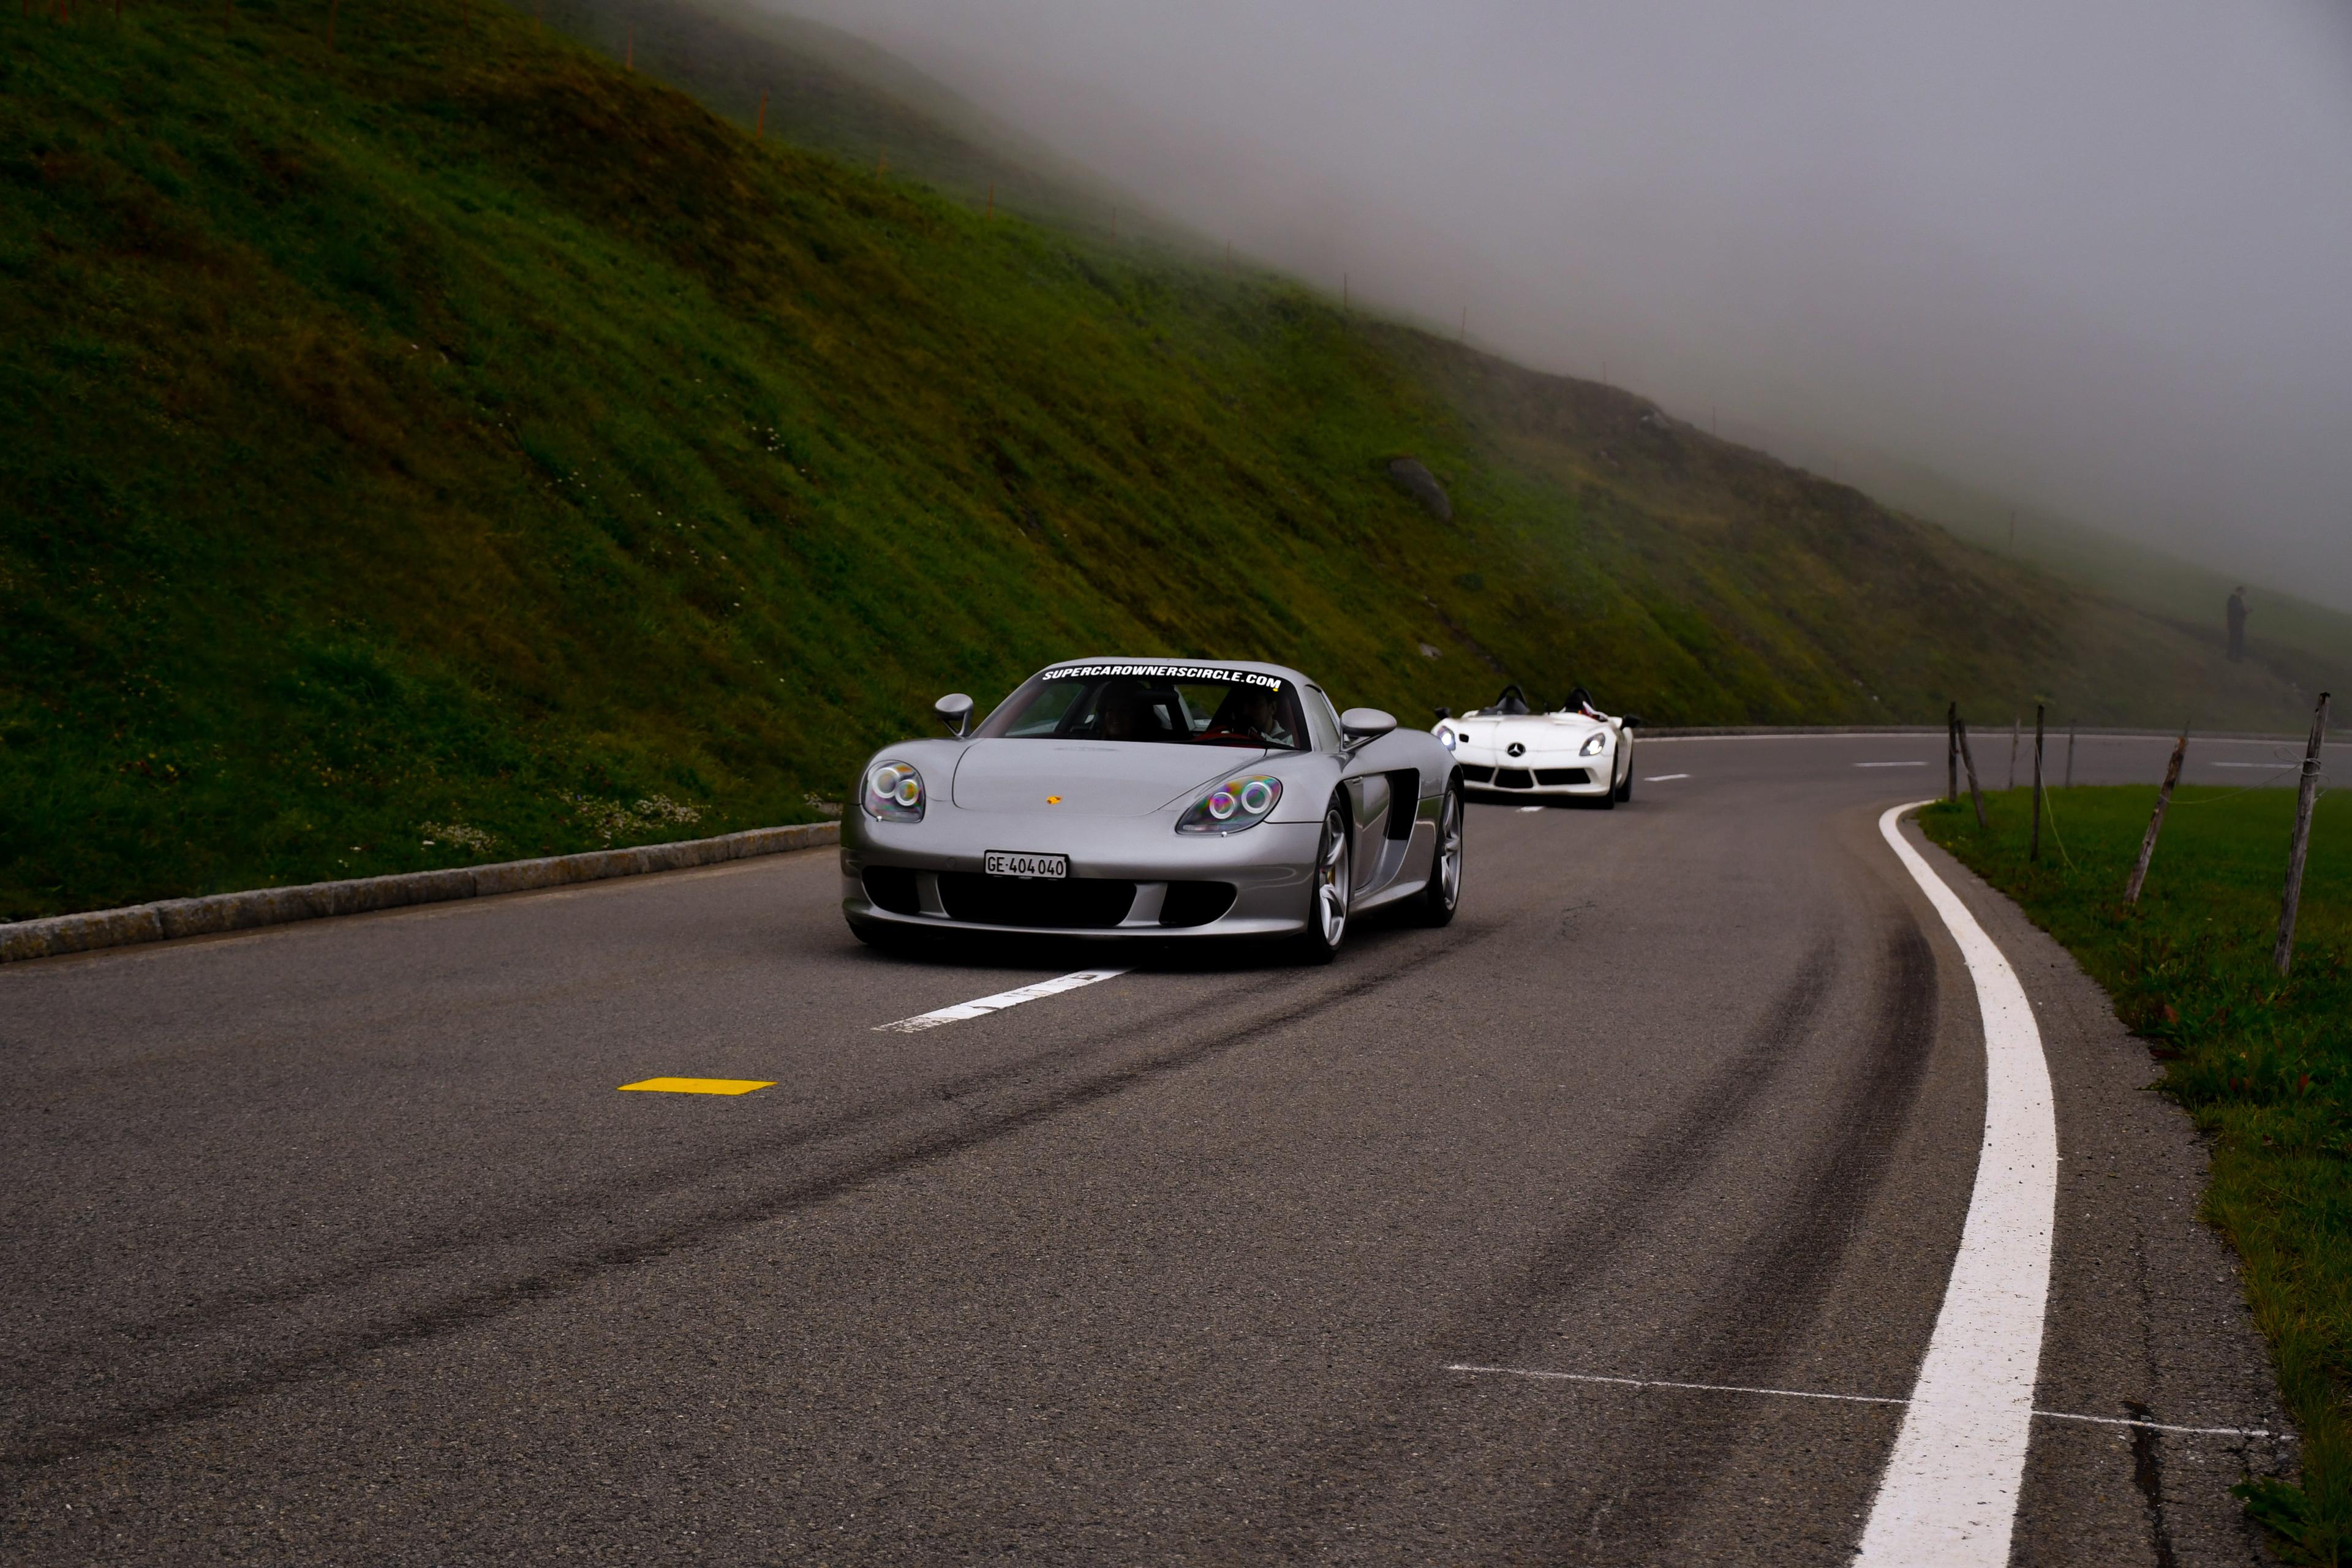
x=172, y=918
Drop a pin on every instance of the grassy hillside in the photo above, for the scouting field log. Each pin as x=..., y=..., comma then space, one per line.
x=441, y=444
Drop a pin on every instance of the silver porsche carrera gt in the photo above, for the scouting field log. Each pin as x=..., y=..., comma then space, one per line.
x=1129, y=797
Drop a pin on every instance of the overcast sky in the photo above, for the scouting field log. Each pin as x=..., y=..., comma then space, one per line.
x=2097, y=257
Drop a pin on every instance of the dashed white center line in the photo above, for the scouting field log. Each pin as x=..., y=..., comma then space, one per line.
x=1665, y=778
x=1531, y=809
x=983, y=1005
x=1890, y=764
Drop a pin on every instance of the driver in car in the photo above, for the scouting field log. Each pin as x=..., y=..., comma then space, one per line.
x=1245, y=714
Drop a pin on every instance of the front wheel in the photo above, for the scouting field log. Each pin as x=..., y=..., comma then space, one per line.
x=1327, y=889
x=1443, y=894
x=1625, y=790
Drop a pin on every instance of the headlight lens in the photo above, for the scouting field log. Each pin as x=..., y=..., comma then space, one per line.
x=1594, y=744
x=894, y=793
x=1232, y=805
x=1446, y=736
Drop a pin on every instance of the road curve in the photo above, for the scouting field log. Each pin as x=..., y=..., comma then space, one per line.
x=335, y=1242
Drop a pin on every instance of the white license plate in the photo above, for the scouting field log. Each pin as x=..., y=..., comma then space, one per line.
x=1003, y=863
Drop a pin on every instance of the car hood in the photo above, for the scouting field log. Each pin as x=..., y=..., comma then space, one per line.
x=1540, y=733
x=1093, y=778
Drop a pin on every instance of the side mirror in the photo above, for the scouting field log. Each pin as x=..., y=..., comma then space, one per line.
x=1363, y=725
x=1630, y=722
x=956, y=709
x=1444, y=714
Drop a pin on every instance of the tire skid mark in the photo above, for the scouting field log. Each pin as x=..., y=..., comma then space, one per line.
x=1775, y=1287
x=1664, y=1161
x=1494, y=1324
x=968, y=1128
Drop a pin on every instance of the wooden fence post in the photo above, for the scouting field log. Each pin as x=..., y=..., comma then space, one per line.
x=2034, y=847
x=2156, y=823
x=2283, y=955
x=1968, y=760
x=2070, y=756
x=2016, y=728
x=1952, y=753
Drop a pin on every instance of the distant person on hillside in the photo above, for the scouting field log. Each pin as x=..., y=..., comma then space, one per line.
x=2237, y=612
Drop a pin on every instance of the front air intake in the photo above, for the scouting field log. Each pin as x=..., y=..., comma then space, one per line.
x=892, y=887
x=1080, y=903
x=1196, y=903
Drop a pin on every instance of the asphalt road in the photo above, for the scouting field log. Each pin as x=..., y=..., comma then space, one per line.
x=335, y=1243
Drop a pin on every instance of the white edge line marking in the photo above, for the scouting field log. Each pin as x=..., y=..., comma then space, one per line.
x=982, y=1006
x=1854, y=1399
x=1663, y=778
x=1949, y=1492
x=1890, y=764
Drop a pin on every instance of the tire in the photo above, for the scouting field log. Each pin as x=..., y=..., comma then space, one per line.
x=1625, y=790
x=1606, y=800
x=1328, y=888
x=1443, y=894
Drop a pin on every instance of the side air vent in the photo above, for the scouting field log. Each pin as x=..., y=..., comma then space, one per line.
x=1478, y=772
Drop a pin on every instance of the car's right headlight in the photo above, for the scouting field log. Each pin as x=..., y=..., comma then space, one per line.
x=894, y=793
x=1232, y=805
x=1445, y=738
x=1595, y=743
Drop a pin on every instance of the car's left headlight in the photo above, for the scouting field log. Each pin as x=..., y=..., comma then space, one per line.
x=1232, y=805
x=1445, y=738
x=894, y=793
x=1595, y=743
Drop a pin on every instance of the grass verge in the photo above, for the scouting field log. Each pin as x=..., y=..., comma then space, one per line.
x=2263, y=1064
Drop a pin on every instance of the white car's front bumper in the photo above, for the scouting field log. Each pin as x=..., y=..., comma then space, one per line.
x=1588, y=776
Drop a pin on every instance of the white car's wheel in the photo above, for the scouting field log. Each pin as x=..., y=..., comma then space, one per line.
x=1327, y=889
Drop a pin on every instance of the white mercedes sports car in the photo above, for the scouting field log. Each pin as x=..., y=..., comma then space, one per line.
x=1575, y=752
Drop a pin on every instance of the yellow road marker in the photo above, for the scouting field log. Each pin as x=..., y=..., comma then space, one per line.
x=702, y=1085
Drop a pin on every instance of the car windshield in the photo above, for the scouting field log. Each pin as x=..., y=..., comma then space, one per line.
x=1169, y=704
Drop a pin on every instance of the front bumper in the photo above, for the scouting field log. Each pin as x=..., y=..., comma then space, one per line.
x=1587, y=776
x=931, y=877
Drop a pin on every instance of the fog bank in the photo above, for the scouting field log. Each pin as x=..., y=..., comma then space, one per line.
x=2097, y=259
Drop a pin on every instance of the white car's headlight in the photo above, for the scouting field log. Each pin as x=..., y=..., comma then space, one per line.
x=1446, y=737
x=1596, y=743
x=894, y=793
x=1232, y=805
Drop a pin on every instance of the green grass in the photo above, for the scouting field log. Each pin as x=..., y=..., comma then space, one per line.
x=2263, y=1064
x=449, y=430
